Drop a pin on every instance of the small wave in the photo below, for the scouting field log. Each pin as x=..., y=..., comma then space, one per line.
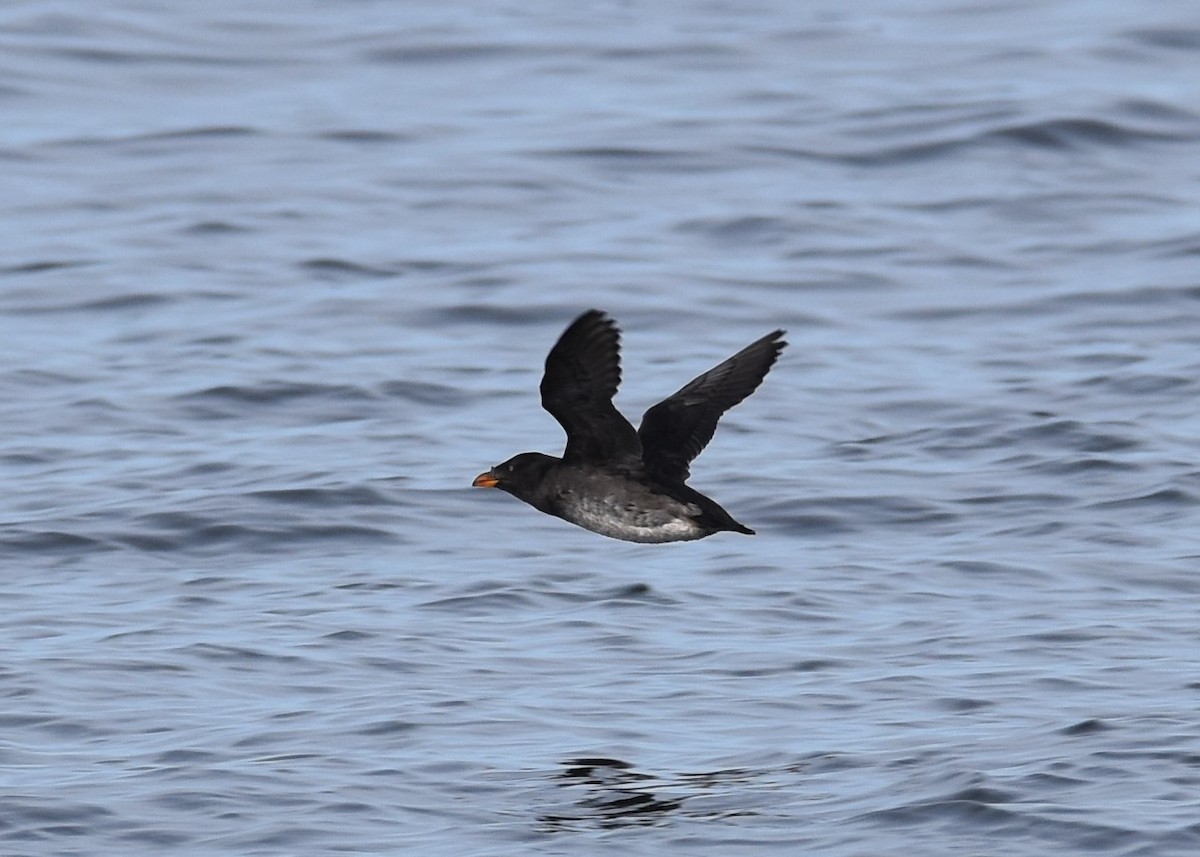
x=1059, y=134
x=348, y=636
x=753, y=229
x=199, y=132
x=1070, y=435
x=423, y=393
x=494, y=315
x=835, y=515
x=30, y=818
x=445, y=52
x=995, y=570
x=51, y=541
x=1180, y=39
x=1140, y=383
x=343, y=269
x=1068, y=304
x=364, y=136
x=1168, y=497
x=1076, y=133
x=45, y=304
x=235, y=654
x=215, y=227
x=42, y=266
x=323, y=497
x=639, y=158
x=195, y=533
x=271, y=393
x=380, y=728
x=1091, y=726
x=481, y=602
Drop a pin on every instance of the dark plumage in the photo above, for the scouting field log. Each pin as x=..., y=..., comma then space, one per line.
x=611, y=479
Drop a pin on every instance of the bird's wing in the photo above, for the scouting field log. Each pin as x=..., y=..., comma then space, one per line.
x=583, y=370
x=674, y=431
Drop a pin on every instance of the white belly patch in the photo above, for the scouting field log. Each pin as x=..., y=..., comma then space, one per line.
x=631, y=523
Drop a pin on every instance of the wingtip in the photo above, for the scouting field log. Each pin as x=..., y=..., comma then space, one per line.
x=777, y=342
x=594, y=314
x=593, y=322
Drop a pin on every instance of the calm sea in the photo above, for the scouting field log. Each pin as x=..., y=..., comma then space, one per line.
x=277, y=280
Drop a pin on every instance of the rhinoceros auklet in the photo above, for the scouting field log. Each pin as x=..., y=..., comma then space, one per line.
x=616, y=481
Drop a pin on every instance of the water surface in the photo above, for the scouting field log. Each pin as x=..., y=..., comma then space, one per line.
x=278, y=281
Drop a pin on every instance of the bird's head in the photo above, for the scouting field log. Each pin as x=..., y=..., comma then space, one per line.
x=519, y=476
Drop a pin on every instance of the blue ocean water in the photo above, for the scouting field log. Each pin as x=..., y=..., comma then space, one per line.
x=278, y=280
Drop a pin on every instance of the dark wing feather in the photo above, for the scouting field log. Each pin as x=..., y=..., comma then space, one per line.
x=674, y=431
x=583, y=370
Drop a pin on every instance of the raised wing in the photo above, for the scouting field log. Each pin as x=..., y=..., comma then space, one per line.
x=583, y=371
x=674, y=431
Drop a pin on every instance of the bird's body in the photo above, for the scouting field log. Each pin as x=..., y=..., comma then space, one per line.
x=613, y=480
x=623, y=505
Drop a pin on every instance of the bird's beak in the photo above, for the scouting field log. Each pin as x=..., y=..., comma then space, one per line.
x=485, y=480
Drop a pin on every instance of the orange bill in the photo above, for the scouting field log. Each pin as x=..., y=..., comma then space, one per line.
x=485, y=480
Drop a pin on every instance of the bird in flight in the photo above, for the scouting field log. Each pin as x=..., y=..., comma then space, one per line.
x=613, y=480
